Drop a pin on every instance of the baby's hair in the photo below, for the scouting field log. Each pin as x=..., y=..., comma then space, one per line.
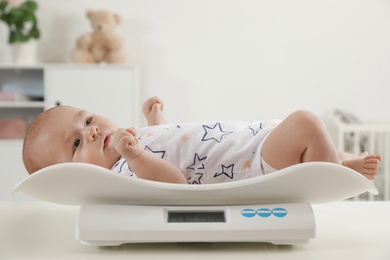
x=30, y=150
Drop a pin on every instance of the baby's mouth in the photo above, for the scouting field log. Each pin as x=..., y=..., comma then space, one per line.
x=106, y=141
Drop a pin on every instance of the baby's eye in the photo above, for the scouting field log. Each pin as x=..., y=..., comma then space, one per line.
x=76, y=144
x=88, y=121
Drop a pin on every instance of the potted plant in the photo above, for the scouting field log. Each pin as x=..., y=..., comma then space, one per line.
x=23, y=28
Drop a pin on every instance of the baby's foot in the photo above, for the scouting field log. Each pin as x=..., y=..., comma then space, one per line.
x=344, y=156
x=367, y=165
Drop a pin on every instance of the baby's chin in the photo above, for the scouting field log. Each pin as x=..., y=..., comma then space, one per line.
x=109, y=161
x=114, y=161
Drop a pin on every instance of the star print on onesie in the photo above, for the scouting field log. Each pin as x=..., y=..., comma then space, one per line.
x=208, y=153
x=227, y=170
x=197, y=169
x=256, y=130
x=214, y=133
x=158, y=153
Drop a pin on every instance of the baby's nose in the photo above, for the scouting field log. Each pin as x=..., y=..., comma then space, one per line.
x=94, y=130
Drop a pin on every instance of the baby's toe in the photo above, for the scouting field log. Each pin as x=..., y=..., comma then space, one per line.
x=373, y=157
x=371, y=177
x=371, y=164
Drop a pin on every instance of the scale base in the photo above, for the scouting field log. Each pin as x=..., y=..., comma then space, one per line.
x=113, y=225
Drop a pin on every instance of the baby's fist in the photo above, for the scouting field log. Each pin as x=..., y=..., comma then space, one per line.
x=126, y=143
x=153, y=110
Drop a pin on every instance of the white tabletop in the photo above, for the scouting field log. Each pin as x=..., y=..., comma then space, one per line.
x=345, y=230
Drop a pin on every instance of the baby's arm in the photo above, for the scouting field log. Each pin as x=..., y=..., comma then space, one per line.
x=144, y=164
x=153, y=110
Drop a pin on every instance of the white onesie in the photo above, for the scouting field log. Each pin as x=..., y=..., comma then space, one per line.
x=207, y=153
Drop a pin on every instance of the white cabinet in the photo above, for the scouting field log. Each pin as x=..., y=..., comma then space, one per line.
x=108, y=90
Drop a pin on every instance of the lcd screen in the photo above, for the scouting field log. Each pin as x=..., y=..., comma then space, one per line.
x=197, y=217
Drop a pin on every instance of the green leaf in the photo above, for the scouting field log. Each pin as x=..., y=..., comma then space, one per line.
x=3, y=5
x=16, y=15
x=28, y=17
x=31, y=5
x=35, y=33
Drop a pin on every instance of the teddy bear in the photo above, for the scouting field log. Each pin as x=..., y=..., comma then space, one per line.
x=102, y=44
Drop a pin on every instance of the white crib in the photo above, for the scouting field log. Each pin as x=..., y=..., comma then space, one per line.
x=351, y=135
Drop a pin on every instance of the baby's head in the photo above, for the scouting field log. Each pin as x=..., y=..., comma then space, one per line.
x=68, y=134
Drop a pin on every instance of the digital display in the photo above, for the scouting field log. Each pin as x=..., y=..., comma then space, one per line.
x=197, y=217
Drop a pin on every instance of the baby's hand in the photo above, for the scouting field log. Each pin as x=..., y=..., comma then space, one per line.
x=153, y=110
x=126, y=143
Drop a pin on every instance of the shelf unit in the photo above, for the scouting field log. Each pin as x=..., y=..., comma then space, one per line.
x=22, y=79
x=22, y=104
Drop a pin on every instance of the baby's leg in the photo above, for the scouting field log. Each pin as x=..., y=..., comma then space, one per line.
x=303, y=137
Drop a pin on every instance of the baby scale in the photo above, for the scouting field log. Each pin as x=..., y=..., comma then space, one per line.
x=273, y=208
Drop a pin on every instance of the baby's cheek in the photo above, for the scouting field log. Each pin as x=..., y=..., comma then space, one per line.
x=105, y=159
x=85, y=156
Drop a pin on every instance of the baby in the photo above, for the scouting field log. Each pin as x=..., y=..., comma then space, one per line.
x=191, y=153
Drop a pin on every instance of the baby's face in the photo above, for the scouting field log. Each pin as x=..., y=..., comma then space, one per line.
x=74, y=135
